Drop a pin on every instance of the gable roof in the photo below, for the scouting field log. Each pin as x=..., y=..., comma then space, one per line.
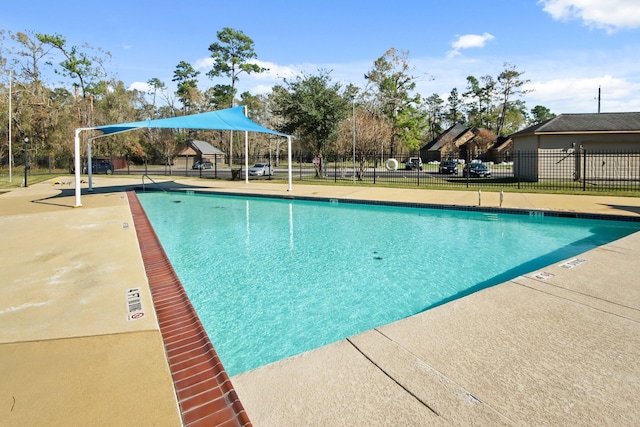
x=586, y=123
x=204, y=147
x=448, y=135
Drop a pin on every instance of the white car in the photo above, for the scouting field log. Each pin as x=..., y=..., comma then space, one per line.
x=261, y=169
x=413, y=163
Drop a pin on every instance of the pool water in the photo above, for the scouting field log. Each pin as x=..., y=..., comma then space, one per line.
x=272, y=278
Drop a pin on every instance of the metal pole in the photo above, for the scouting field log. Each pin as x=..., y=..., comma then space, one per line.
x=10, y=155
x=584, y=168
x=246, y=151
x=353, y=103
x=26, y=160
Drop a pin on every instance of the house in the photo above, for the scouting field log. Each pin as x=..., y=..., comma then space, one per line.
x=579, y=146
x=194, y=150
x=447, y=145
x=462, y=142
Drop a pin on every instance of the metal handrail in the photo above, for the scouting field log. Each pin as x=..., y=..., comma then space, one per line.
x=151, y=179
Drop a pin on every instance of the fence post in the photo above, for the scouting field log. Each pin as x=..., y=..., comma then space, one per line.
x=375, y=167
x=584, y=168
x=335, y=168
x=518, y=168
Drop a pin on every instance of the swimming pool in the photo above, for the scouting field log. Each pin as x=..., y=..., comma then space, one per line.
x=271, y=278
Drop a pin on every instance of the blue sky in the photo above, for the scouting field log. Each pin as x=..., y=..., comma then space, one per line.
x=566, y=48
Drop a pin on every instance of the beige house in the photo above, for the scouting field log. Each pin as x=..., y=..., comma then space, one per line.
x=579, y=146
x=195, y=150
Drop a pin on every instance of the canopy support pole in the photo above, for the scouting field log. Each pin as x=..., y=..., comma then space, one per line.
x=90, y=164
x=246, y=150
x=76, y=167
x=290, y=188
x=246, y=157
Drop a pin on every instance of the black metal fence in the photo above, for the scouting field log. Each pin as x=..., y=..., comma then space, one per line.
x=565, y=170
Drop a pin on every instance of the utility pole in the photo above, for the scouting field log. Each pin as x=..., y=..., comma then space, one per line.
x=599, y=92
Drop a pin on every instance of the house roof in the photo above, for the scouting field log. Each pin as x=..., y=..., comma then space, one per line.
x=586, y=123
x=204, y=147
x=450, y=134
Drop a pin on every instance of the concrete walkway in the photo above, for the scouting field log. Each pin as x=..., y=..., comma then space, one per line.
x=560, y=346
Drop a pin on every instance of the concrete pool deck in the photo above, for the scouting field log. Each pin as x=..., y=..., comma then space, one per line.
x=559, y=346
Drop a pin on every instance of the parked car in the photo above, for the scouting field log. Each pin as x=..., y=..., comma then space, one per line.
x=202, y=164
x=100, y=166
x=476, y=170
x=413, y=163
x=449, y=166
x=261, y=169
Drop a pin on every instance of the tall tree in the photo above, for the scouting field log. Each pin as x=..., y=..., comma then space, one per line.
x=455, y=112
x=232, y=55
x=435, y=114
x=481, y=94
x=187, y=85
x=312, y=107
x=509, y=84
x=76, y=63
x=393, y=91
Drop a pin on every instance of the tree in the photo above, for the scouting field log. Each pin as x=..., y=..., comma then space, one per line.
x=393, y=89
x=456, y=105
x=370, y=128
x=232, y=54
x=480, y=95
x=509, y=84
x=76, y=64
x=540, y=114
x=312, y=107
x=187, y=85
x=435, y=114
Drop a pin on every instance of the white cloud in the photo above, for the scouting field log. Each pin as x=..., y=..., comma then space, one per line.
x=577, y=95
x=274, y=71
x=610, y=15
x=468, y=41
x=141, y=86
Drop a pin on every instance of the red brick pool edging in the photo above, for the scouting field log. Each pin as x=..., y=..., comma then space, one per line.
x=203, y=388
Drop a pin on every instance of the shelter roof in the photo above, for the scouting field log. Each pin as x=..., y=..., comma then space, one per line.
x=229, y=119
x=204, y=147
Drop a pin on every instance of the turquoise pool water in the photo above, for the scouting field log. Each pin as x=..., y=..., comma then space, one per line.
x=271, y=278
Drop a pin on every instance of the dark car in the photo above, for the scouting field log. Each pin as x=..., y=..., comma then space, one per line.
x=202, y=164
x=101, y=166
x=476, y=170
x=449, y=166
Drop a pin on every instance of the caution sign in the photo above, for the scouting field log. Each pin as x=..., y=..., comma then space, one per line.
x=135, y=309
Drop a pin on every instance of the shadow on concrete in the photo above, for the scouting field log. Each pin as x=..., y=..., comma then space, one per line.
x=634, y=209
x=56, y=200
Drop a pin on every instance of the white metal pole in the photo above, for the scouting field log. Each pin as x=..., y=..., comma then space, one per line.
x=246, y=151
x=246, y=157
x=90, y=164
x=76, y=162
x=353, y=103
x=289, y=162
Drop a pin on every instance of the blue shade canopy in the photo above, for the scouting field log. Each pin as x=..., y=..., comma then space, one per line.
x=229, y=119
